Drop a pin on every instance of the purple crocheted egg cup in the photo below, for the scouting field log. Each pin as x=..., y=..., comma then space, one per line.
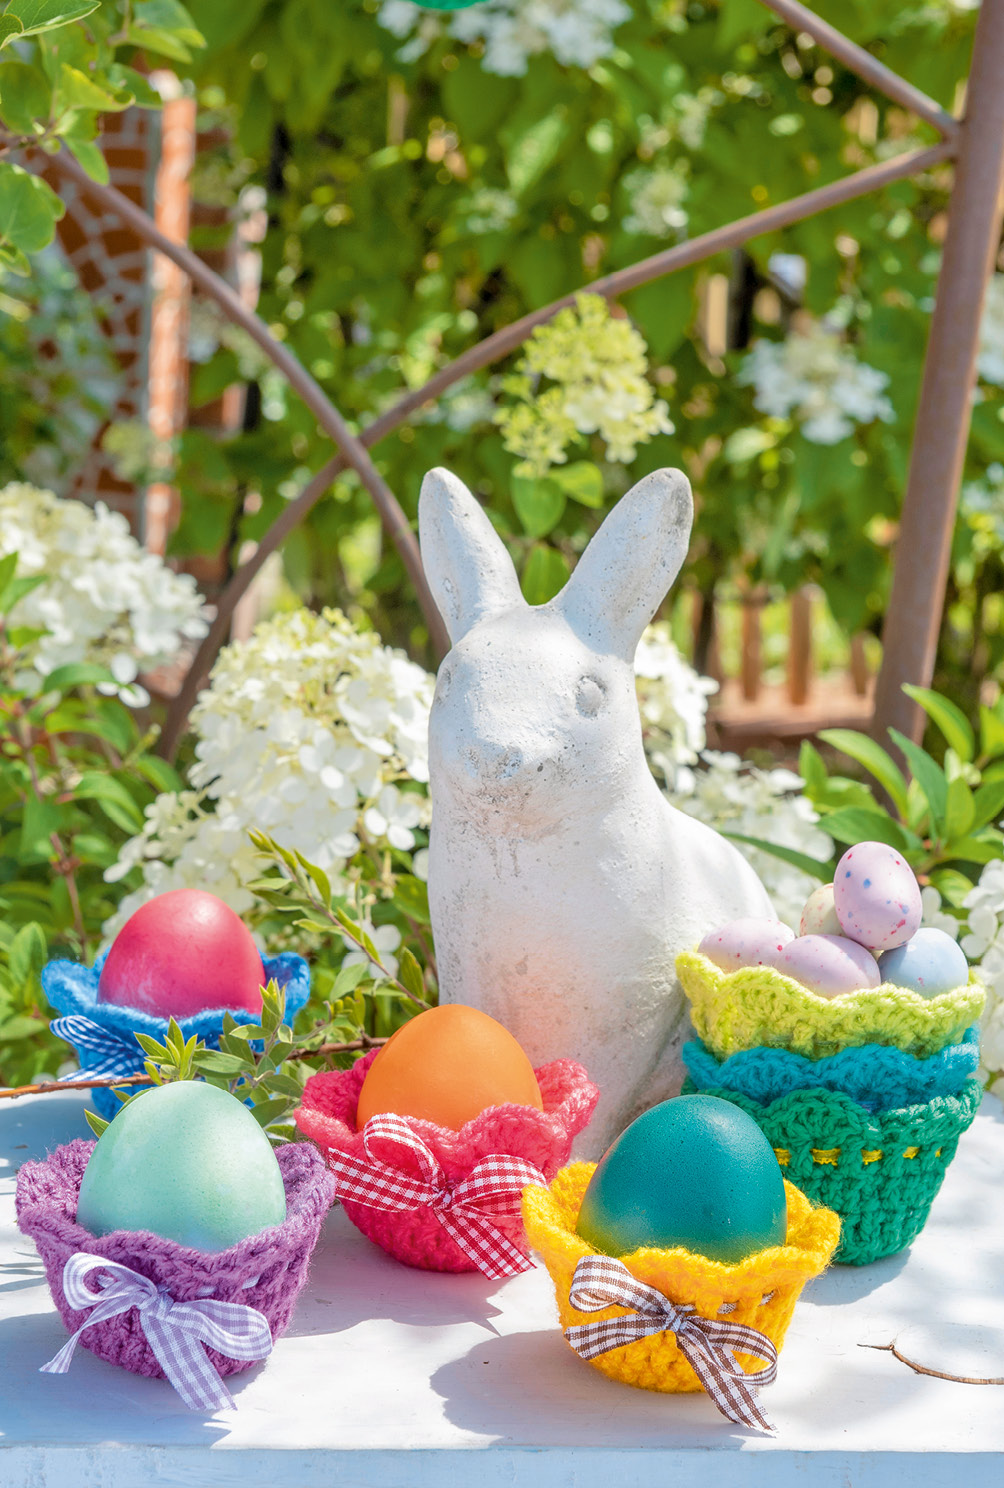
x=104, y=1033
x=266, y=1271
x=415, y=1236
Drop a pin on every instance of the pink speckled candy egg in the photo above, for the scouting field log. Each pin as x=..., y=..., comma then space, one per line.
x=829, y=965
x=819, y=916
x=876, y=896
x=746, y=943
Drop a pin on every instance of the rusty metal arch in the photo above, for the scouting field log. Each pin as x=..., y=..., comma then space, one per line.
x=976, y=145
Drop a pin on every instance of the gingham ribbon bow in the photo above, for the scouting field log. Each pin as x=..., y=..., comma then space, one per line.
x=468, y=1211
x=102, y=1051
x=175, y=1331
x=708, y=1344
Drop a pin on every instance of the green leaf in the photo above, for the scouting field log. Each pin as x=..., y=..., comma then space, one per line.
x=545, y=573
x=854, y=824
x=348, y=979
x=531, y=152
x=25, y=96
x=952, y=722
x=29, y=209
x=410, y=973
x=413, y=897
x=928, y=775
x=539, y=504
x=41, y=819
x=75, y=674
x=165, y=27
x=216, y=1063
x=270, y=1110
x=875, y=760
x=112, y=797
x=45, y=15
x=8, y=568
x=811, y=866
x=988, y=804
x=811, y=768
x=991, y=732
x=161, y=775
x=960, y=811
x=582, y=481
x=976, y=849
x=78, y=91
x=97, y=1124
x=952, y=885
x=28, y=952
x=14, y=261
x=86, y=152
x=10, y=26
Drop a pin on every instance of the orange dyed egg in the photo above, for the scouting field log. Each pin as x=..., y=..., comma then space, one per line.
x=448, y=1065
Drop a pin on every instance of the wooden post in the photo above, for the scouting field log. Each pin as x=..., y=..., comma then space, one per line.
x=800, y=646
x=913, y=619
x=751, y=662
x=859, y=664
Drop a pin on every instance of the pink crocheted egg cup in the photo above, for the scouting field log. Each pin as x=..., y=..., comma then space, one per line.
x=266, y=1271
x=416, y=1237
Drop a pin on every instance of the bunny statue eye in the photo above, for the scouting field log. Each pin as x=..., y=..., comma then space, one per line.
x=589, y=697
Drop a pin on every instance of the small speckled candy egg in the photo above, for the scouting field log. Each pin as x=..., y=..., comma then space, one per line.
x=746, y=943
x=930, y=963
x=819, y=916
x=877, y=897
x=829, y=965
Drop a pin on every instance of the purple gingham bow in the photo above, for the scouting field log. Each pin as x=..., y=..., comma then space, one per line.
x=707, y=1344
x=467, y=1211
x=175, y=1331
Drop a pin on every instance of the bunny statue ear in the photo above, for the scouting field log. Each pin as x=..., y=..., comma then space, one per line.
x=624, y=573
x=469, y=571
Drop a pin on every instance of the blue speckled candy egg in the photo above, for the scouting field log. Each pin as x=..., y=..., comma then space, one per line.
x=695, y=1172
x=819, y=917
x=829, y=965
x=746, y=943
x=876, y=896
x=185, y=1161
x=930, y=963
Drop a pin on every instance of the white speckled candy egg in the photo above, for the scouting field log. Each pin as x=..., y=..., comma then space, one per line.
x=829, y=965
x=819, y=916
x=746, y=943
x=930, y=963
x=877, y=897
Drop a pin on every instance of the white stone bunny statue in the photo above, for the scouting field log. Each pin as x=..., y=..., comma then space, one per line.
x=561, y=881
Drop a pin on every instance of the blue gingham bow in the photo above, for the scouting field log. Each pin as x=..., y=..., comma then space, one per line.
x=102, y=1051
x=175, y=1331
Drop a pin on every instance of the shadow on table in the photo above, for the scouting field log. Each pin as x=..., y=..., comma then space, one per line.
x=80, y=1405
x=842, y=1284
x=31, y=1129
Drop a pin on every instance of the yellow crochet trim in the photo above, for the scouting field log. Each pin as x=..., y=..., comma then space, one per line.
x=757, y=1005
x=760, y=1291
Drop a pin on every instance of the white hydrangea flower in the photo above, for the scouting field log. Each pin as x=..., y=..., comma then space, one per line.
x=933, y=917
x=673, y=702
x=984, y=945
x=990, y=357
x=578, y=32
x=815, y=378
x=386, y=939
x=657, y=194
x=105, y=599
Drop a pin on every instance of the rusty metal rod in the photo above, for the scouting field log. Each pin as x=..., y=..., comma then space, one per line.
x=923, y=550
x=856, y=59
x=494, y=347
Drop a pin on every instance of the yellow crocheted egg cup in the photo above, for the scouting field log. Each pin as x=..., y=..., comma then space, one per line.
x=763, y=1288
x=756, y=1005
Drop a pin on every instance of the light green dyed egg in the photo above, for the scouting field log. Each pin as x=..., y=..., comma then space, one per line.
x=188, y=1162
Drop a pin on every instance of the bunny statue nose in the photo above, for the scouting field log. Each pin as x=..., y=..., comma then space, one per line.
x=493, y=761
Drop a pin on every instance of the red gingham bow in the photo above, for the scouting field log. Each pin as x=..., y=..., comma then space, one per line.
x=467, y=1211
x=707, y=1344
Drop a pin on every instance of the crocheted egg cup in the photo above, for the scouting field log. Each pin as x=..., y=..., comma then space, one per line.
x=72, y=990
x=266, y=1271
x=760, y=1291
x=416, y=1237
x=756, y=1005
x=880, y=1171
x=878, y=1077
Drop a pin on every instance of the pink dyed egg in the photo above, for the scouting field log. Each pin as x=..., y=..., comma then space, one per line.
x=181, y=953
x=746, y=943
x=876, y=896
x=819, y=916
x=829, y=965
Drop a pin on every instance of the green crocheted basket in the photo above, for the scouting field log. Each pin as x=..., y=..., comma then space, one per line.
x=880, y=1172
x=757, y=1005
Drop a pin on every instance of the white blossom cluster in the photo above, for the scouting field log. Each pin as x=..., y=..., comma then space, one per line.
x=657, y=194
x=105, y=599
x=306, y=731
x=990, y=356
x=983, y=943
x=510, y=32
x=814, y=378
x=673, y=702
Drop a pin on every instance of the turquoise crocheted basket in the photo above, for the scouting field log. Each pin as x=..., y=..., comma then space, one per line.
x=877, y=1076
x=880, y=1171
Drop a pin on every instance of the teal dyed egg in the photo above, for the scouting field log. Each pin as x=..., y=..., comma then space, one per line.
x=695, y=1172
x=187, y=1162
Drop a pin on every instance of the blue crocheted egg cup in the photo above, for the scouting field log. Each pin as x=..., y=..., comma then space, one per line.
x=103, y=1034
x=877, y=1077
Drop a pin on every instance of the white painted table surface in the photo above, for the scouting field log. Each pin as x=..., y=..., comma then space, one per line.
x=390, y=1377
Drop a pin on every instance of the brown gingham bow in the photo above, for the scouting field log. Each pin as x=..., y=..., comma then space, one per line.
x=708, y=1344
x=469, y=1210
